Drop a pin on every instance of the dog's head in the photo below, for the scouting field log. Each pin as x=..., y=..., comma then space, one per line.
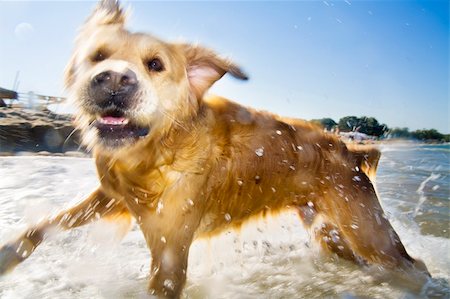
x=130, y=86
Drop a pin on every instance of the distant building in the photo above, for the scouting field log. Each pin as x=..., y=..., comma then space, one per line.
x=10, y=98
x=6, y=94
x=355, y=136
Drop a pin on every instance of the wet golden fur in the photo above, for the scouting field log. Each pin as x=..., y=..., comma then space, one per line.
x=208, y=164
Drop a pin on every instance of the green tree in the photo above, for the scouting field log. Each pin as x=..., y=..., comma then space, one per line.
x=327, y=123
x=447, y=138
x=400, y=133
x=366, y=125
x=431, y=134
x=348, y=124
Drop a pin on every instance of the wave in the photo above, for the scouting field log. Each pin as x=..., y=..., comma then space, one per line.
x=398, y=147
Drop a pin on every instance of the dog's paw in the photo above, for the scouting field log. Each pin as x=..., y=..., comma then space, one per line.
x=9, y=258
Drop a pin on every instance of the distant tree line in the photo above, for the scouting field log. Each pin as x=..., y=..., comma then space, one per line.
x=371, y=126
x=423, y=135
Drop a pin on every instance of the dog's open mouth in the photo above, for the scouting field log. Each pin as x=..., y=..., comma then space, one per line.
x=116, y=126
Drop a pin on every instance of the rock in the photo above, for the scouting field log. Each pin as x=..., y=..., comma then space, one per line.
x=23, y=130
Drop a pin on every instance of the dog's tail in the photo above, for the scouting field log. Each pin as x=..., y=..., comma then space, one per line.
x=366, y=158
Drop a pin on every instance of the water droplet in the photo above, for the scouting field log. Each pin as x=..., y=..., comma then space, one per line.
x=334, y=236
x=377, y=218
x=300, y=147
x=159, y=207
x=163, y=239
x=190, y=202
x=227, y=217
x=354, y=226
x=274, y=190
x=259, y=151
x=168, y=284
x=310, y=204
x=356, y=178
x=278, y=132
x=292, y=167
x=240, y=182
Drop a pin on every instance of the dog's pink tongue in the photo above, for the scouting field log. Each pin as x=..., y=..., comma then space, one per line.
x=111, y=120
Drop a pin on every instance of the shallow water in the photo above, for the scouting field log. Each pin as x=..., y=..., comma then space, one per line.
x=268, y=259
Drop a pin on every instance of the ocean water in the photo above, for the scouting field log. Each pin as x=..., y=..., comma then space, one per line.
x=272, y=258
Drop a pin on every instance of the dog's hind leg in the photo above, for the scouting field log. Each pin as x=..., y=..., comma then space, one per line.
x=96, y=206
x=325, y=233
x=351, y=205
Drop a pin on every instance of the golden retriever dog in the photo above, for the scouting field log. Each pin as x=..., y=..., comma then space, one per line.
x=184, y=165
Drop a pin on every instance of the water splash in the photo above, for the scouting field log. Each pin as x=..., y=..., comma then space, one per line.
x=421, y=193
x=259, y=151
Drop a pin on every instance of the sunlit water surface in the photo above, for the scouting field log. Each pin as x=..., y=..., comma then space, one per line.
x=269, y=259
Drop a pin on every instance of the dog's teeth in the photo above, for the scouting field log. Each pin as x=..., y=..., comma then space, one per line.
x=109, y=120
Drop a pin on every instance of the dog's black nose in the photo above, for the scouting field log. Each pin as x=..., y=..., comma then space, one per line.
x=116, y=82
x=113, y=89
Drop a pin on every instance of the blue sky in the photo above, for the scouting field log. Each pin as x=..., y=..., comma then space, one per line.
x=305, y=59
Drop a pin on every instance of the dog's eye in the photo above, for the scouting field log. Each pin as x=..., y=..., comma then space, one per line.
x=98, y=56
x=155, y=65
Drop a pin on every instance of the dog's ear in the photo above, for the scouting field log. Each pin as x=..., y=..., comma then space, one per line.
x=107, y=12
x=204, y=67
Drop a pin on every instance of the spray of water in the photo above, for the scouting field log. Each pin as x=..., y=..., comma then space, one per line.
x=421, y=192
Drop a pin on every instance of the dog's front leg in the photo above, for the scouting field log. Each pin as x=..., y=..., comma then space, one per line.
x=169, y=230
x=169, y=266
x=95, y=206
x=169, y=236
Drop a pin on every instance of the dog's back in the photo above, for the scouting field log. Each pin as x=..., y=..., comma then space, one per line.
x=261, y=163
